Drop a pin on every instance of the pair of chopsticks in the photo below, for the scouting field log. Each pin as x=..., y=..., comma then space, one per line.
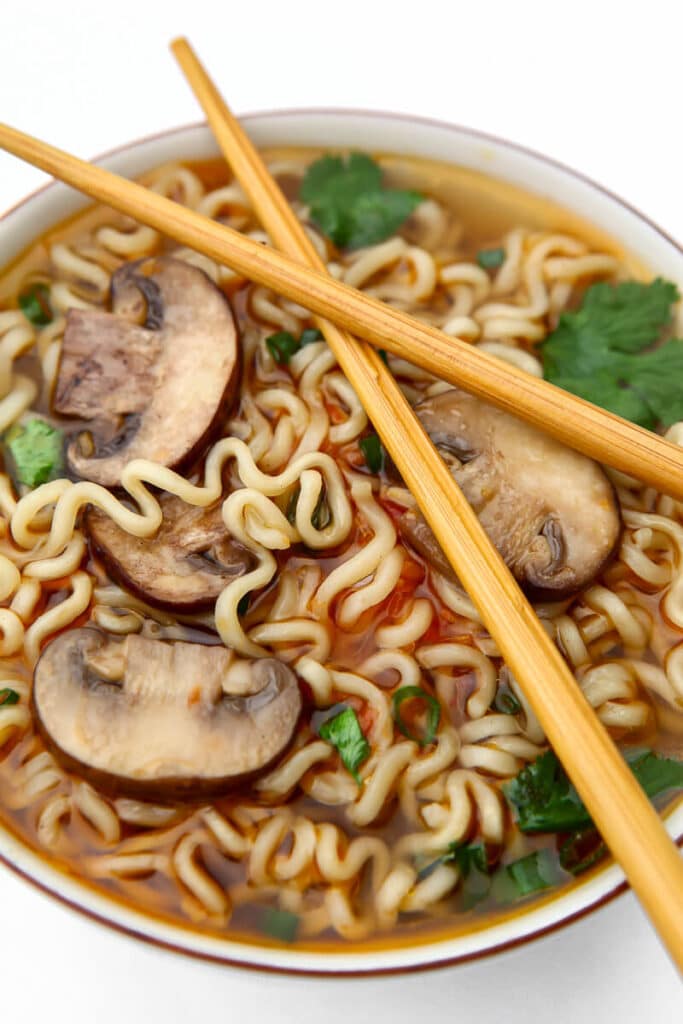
x=616, y=802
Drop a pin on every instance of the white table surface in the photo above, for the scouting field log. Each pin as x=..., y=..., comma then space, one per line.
x=596, y=85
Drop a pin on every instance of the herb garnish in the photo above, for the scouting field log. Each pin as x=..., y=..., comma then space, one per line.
x=344, y=732
x=282, y=345
x=546, y=801
x=280, y=924
x=505, y=701
x=373, y=452
x=349, y=203
x=507, y=883
x=581, y=849
x=8, y=696
x=603, y=352
x=321, y=517
x=533, y=873
x=491, y=259
x=35, y=452
x=34, y=303
x=433, y=714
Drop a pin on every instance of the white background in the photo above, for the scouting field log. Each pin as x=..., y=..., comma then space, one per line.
x=596, y=85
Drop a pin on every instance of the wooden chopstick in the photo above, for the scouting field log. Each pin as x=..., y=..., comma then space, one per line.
x=599, y=434
x=616, y=802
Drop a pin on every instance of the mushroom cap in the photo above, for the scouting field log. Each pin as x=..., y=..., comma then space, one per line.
x=551, y=512
x=151, y=719
x=184, y=567
x=153, y=376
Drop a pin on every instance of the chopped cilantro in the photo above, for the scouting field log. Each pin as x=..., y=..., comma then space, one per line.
x=373, y=452
x=603, y=352
x=35, y=451
x=344, y=732
x=491, y=259
x=433, y=714
x=8, y=696
x=280, y=924
x=34, y=303
x=349, y=203
x=546, y=801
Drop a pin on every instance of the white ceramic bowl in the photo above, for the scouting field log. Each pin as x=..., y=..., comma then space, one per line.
x=384, y=133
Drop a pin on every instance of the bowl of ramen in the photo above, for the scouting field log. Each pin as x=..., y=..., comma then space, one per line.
x=246, y=710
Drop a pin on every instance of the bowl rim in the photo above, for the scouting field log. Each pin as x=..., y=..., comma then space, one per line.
x=618, y=884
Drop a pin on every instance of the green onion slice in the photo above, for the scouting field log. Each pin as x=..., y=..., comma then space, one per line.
x=433, y=714
x=34, y=303
x=280, y=924
x=373, y=453
x=491, y=259
x=282, y=346
x=8, y=696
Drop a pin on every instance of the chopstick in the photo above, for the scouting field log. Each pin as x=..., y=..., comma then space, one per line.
x=597, y=433
x=581, y=742
x=616, y=802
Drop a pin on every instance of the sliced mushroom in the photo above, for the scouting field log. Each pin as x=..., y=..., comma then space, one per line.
x=157, y=720
x=184, y=567
x=153, y=376
x=551, y=512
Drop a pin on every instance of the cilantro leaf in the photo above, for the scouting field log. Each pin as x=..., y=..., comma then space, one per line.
x=630, y=315
x=350, y=205
x=597, y=352
x=546, y=801
x=35, y=452
x=344, y=732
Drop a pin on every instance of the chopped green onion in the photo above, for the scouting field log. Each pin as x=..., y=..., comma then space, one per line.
x=373, y=452
x=581, y=850
x=321, y=517
x=344, y=732
x=491, y=259
x=383, y=355
x=433, y=713
x=243, y=605
x=280, y=924
x=282, y=346
x=533, y=873
x=309, y=336
x=506, y=702
x=34, y=303
x=8, y=696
